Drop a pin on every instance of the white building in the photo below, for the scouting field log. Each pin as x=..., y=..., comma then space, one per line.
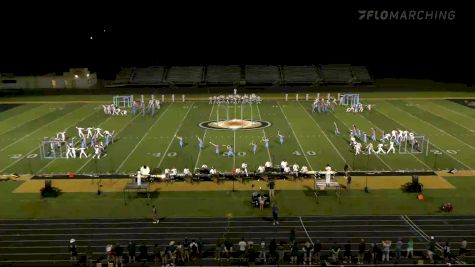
x=75, y=78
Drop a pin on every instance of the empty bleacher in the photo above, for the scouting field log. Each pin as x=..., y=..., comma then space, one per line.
x=300, y=75
x=262, y=74
x=124, y=76
x=149, y=75
x=184, y=75
x=223, y=74
x=361, y=74
x=337, y=74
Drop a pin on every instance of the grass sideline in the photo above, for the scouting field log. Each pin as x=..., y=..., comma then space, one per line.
x=228, y=203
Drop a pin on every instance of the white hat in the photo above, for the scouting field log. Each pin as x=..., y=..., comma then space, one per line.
x=72, y=240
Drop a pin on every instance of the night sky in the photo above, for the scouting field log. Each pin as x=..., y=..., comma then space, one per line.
x=53, y=37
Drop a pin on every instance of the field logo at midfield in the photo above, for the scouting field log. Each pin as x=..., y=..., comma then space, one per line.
x=235, y=124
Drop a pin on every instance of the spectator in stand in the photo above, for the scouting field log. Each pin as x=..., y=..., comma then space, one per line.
x=156, y=254
x=132, y=251
x=398, y=249
x=73, y=250
x=347, y=252
x=386, y=249
x=186, y=248
x=170, y=252
x=143, y=252
x=251, y=254
x=335, y=252
x=200, y=247
x=294, y=253
x=374, y=252
x=431, y=249
x=180, y=253
x=217, y=251
x=109, y=252
x=194, y=249
x=292, y=236
x=317, y=247
x=447, y=253
x=361, y=251
x=262, y=250
x=228, y=248
x=307, y=253
x=463, y=249
x=280, y=250
x=410, y=248
x=273, y=248
x=119, y=255
x=242, y=247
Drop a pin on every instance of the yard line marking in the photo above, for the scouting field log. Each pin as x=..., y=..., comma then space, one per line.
x=348, y=128
x=264, y=132
x=296, y=138
x=173, y=136
x=34, y=149
x=305, y=229
x=39, y=171
x=468, y=167
x=430, y=124
x=453, y=111
x=30, y=134
x=204, y=138
x=422, y=107
x=120, y=130
x=324, y=134
x=143, y=137
x=19, y=125
x=409, y=154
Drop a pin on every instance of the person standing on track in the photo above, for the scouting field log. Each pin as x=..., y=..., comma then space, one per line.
x=154, y=215
x=275, y=214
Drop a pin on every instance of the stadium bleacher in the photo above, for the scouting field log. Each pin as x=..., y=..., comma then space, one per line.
x=262, y=74
x=124, y=76
x=361, y=74
x=300, y=75
x=337, y=73
x=223, y=74
x=149, y=75
x=185, y=74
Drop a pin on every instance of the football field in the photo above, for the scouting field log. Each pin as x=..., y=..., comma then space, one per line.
x=309, y=137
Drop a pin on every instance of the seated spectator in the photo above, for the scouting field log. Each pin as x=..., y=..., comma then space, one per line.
x=294, y=253
x=317, y=247
x=170, y=252
x=132, y=251
x=335, y=251
x=242, y=247
x=194, y=249
x=228, y=248
x=347, y=252
x=361, y=250
x=308, y=251
x=119, y=254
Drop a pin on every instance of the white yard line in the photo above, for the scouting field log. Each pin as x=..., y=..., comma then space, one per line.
x=143, y=137
x=296, y=138
x=427, y=109
x=432, y=125
x=468, y=167
x=324, y=134
x=34, y=149
x=120, y=130
x=173, y=137
x=453, y=111
x=389, y=167
x=264, y=132
x=204, y=138
x=49, y=163
x=409, y=153
x=19, y=125
x=44, y=125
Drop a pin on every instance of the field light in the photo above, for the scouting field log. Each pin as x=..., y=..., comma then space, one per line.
x=87, y=75
x=76, y=76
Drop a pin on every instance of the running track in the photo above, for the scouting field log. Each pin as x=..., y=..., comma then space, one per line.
x=46, y=241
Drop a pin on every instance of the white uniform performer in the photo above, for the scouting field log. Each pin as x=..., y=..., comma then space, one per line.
x=244, y=167
x=380, y=149
x=304, y=169
x=139, y=178
x=268, y=164
x=295, y=168
x=82, y=152
x=61, y=136
x=391, y=147
x=80, y=133
x=261, y=169
x=370, y=148
x=328, y=173
x=357, y=148
x=97, y=152
x=89, y=132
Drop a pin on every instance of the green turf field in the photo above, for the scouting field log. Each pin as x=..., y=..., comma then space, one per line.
x=309, y=137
